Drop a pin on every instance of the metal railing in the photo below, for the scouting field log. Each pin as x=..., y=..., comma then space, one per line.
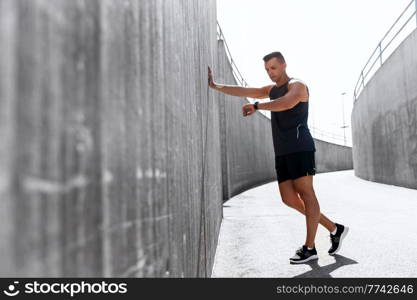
x=238, y=76
x=330, y=136
x=317, y=133
x=380, y=49
x=235, y=70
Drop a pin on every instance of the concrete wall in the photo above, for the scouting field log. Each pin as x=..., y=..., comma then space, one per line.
x=247, y=150
x=110, y=161
x=384, y=121
x=331, y=157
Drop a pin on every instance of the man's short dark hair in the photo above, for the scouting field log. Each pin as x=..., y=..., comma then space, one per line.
x=278, y=55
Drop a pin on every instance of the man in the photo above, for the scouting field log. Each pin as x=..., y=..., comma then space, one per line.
x=294, y=148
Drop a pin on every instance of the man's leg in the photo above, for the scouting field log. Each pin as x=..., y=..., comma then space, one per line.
x=304, y=187
x=291, y=198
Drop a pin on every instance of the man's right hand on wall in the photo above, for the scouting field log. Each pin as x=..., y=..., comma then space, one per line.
x=210, y=79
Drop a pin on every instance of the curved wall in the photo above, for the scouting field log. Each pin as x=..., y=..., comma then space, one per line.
x=247, y=150
x=332, y=157
x=108, y=168
x=384, y=121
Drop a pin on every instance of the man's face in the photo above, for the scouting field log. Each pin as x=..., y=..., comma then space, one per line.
x=275, y=68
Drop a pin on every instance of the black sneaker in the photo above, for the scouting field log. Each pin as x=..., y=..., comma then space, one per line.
x=337, y=239
x=303, y=255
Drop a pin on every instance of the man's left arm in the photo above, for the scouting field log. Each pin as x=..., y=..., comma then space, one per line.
x=297, y=92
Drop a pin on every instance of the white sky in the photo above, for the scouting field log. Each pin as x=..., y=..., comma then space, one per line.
x=326, y=43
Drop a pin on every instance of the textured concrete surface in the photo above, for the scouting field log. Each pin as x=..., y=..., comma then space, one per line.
x=110, y=162
x=384, y=121
x=7, y=67
x=247, y=150
x=259, y=233
x=331, y=157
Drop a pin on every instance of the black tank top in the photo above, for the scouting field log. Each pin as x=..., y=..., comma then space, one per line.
x=290, y=132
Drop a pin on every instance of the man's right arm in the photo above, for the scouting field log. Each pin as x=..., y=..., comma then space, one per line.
x=259, y=93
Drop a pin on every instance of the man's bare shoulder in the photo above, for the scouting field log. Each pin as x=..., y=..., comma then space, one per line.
x=299, y=86
x=296, y=81
x=267, y=89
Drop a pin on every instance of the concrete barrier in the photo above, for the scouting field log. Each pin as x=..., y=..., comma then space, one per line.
x=384, y=121
x=109, y=167
x=247, y=150
x=331, y=157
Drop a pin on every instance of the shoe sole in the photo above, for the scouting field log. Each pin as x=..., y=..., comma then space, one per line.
x=305, y=260
x=345, y=232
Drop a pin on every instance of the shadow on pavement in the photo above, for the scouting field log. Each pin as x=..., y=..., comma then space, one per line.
x=324, y=271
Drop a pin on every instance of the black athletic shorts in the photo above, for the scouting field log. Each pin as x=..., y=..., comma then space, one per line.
x=295, y=165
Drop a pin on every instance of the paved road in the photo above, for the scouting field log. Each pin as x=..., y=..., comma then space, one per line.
x=259, y=233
